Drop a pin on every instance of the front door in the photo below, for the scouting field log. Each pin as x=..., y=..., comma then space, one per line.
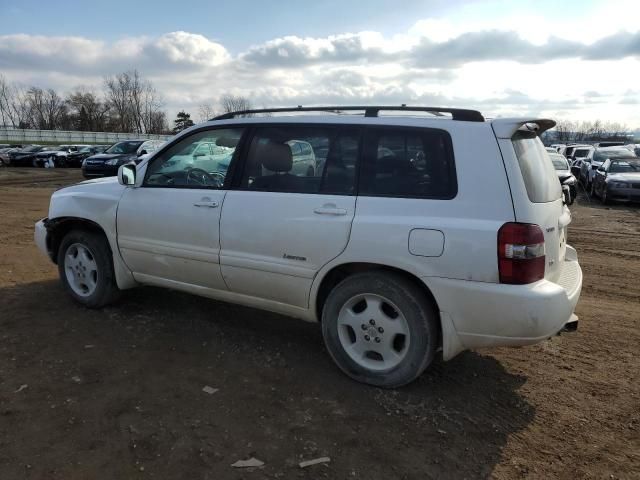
x=281, y=223
x=168, y=228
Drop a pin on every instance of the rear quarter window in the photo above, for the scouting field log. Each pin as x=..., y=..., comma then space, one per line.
x=536, y=167
x=408, y=163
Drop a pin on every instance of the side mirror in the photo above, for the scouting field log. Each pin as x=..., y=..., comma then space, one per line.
x=127, y=174
x=142, y=152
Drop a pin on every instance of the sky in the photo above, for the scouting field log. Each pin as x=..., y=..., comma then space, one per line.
x=575, y=60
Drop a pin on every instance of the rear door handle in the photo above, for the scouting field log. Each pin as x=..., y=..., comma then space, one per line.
x=330, y=209
x=206, y=204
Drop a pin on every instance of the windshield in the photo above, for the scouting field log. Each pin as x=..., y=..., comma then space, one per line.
x=85, y=150
x=34, y=148
x=583, y=152
x=124, y=147
x=624, y=167
x=559, y=163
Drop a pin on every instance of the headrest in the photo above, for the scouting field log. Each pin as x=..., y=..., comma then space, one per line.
x=275, y=157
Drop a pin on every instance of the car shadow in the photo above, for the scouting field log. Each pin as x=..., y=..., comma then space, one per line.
x=114, y=390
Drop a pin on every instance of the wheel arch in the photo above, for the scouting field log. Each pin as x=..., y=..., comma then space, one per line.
x=58, y=227
x=339, y=272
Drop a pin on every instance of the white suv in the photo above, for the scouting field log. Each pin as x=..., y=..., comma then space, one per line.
x=413, y=235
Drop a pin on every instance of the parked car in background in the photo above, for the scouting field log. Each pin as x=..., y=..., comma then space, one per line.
x=564, y=174
x=551, y=150
x=54, y=156
x=597, y=158
x=4, y=154
x=75, y=158
x=610, y=144
x=575, y=168
x=431, y=260
x=25, y=157
x=560, y=148
x=617, y=180
x=106, y=164
x=579, y=151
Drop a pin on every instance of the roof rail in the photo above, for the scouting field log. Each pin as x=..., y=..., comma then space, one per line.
x=369, y=111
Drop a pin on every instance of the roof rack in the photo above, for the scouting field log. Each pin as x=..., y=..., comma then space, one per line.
x=369, y=111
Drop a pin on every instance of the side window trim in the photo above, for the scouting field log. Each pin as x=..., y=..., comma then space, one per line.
x=232, y=165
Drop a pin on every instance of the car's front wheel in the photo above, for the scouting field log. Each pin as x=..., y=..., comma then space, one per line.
x=85, y=267
x=380, y=328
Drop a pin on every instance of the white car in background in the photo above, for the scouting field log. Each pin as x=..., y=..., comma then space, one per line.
x=394, y=244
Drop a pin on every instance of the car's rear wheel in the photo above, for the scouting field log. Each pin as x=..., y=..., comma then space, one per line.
x=85, y=267
x=380, y=328
x=604, y=198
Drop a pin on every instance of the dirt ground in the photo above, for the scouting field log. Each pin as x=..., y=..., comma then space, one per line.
x=118, y=393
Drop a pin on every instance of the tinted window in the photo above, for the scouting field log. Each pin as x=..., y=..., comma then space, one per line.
x=200, y=160
x=409, y=163
x=539, y=176
x=302, y=160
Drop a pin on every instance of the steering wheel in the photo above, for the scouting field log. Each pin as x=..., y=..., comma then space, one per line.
x=198, y=176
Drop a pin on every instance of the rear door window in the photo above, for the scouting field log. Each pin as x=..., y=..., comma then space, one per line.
x=411, y=163
x=300, y=159
x=538, y=172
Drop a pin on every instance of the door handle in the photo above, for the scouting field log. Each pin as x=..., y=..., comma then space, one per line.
x=206, y=204
x=330, y=209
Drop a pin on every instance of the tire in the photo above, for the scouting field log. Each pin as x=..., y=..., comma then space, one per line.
x=593, y=190
x=353, y=346
x=604, y=197
x=95, y=269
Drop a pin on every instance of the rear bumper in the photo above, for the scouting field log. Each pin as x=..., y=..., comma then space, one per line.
x=491, y=314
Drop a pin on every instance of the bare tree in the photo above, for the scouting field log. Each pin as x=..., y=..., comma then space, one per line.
x=14, y=105
x=134, y=100
x=233, y=103
x=47, y=109
x=87, y=111
x=205, y=112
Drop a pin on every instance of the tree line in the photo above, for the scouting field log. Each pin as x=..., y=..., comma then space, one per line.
x=589, y=131
x=127, y=103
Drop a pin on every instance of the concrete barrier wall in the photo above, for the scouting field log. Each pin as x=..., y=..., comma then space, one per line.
x=24, y=136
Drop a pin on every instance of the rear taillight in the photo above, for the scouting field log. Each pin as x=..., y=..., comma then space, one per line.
x=520, y=253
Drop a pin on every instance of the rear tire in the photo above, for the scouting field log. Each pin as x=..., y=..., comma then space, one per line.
x=380, y=329
x=85, y=266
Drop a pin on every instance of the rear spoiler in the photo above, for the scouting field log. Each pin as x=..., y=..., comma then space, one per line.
x=507, y=127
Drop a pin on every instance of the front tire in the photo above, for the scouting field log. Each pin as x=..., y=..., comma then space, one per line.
x=604, y=198
x=380, y=329
x=85, y=266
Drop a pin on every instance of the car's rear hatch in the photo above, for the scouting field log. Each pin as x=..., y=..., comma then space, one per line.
x=536, y=191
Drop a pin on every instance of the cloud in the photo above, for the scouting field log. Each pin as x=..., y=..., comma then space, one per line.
x=81, y=55
x=496, y=70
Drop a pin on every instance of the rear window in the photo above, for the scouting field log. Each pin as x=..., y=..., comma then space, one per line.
x=581, y=152
x=538, y=172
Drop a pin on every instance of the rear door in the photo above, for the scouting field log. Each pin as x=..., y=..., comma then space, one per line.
x=537, y=194
x=280, y=224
